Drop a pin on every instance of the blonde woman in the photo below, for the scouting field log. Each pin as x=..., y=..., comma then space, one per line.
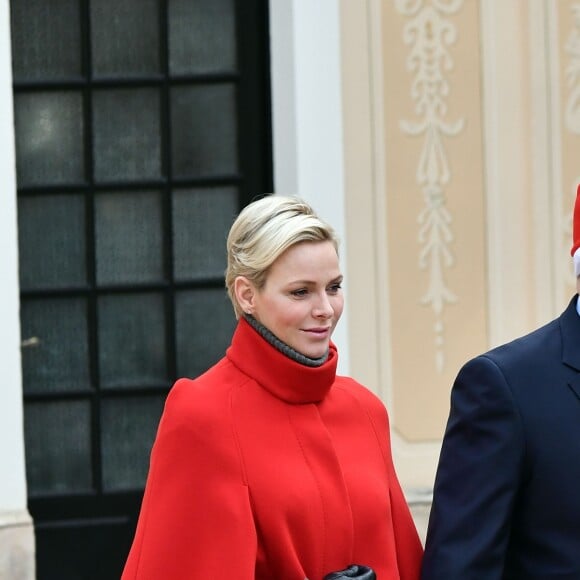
x=269, y=466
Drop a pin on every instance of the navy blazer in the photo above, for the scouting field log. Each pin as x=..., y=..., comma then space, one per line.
x=506, y=501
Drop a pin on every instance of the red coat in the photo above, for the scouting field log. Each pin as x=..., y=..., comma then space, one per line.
x=266, y=469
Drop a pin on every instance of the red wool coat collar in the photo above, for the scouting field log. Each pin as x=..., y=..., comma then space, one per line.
x=280, y=375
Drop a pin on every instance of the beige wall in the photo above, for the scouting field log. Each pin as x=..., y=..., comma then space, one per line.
x=565, y=84
x=435, y=208
x=462, y=155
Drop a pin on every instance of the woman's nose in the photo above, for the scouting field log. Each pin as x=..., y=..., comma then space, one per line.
x=323, y=308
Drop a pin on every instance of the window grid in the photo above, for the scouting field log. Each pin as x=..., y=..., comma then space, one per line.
x=166, y=184
x=77, y=495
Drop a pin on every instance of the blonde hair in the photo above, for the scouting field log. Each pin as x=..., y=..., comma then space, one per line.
x=263, y=231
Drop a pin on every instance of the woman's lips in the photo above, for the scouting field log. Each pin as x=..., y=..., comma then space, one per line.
x=318, y=331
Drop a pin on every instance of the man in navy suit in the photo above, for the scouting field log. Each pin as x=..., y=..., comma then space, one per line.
x=506, y=502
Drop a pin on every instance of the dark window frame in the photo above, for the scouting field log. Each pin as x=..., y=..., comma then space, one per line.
x=57, y=511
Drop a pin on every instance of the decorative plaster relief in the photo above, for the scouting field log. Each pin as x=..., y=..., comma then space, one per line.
x=428, y=34
x=572, y=124
x=572, y=117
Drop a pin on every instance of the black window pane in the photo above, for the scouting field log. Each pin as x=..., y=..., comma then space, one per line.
x=205, y=322
x=82, y=548
x=49, y=138
x=202, y=37
x=128, y=430
x=132, y=340
x=128, y=232
x=203, y=130
x=127, y=134
x=201, y=220
x=46, y=39
x=58, y=447
x=55, y=353
x=51, y=232
x=125, y=37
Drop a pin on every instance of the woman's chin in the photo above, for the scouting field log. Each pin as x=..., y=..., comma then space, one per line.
x=314, y=353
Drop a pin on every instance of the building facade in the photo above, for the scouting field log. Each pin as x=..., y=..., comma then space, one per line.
x=441, y=138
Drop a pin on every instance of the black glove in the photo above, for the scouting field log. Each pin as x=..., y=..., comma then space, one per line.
x=353, y=571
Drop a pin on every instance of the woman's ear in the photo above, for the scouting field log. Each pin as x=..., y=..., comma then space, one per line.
x=245, y=293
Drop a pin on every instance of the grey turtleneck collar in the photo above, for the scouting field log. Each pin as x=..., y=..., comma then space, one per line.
x=282, y=346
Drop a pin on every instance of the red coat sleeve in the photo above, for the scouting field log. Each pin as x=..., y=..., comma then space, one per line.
x=409, y=548
x=408, y=544
x=195, y=520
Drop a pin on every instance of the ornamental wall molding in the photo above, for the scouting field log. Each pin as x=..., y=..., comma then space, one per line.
x=572, y=125
x=572, y=114
x=429, y=33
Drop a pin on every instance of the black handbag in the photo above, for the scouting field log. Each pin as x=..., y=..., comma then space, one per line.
x=353, y=571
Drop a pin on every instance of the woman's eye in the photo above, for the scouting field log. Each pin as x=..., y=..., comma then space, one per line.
x=335, y=288
x=299, y=293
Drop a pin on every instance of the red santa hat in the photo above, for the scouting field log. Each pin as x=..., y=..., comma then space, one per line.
x=576, y=234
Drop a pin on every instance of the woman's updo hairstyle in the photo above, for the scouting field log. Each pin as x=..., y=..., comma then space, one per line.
x=263, y=231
